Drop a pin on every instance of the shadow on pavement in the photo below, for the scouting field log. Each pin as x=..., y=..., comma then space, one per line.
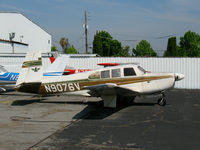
x=25, y=102
x=97, y=111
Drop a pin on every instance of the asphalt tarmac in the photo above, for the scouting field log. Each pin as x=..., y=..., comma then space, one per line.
x=78, y=123
x=142, y=125
x=26, y=119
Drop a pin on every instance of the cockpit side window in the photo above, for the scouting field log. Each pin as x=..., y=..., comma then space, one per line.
x=129, y=72
x=95, y=75
x=105, y=74
x=116, y=73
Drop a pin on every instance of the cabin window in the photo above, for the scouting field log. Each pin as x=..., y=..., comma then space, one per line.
x=105, y=74
x=95, y=75
x=116, y=73
x=129, y=72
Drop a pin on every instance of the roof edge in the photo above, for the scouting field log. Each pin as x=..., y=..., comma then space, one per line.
x=13, y=12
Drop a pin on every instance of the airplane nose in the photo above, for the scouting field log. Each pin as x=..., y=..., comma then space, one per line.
x=179, y=76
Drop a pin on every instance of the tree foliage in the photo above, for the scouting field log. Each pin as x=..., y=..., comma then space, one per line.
x=172, y=48
x=125, y=51
x=105, y=45
x=115, y=48
x=144, y=49
x=97, y=45
x=71, y=50
x=53, y=48
x=63, y=43
x=190, y=44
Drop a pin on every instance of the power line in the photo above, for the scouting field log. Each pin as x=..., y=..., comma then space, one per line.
x=163, y=37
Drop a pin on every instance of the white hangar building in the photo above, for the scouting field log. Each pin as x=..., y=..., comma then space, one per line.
x=18, y=34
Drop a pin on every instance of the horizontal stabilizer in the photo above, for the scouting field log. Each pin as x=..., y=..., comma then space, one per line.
x=2, y=90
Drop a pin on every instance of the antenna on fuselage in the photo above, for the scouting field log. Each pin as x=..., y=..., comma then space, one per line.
x=116, y=64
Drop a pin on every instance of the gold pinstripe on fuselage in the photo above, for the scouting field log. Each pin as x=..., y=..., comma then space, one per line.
x=76, y=85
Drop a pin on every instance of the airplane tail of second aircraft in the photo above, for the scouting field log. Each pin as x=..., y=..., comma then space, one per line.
x=31, y=73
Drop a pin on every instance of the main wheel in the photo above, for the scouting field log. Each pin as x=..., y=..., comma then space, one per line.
x=162, y=101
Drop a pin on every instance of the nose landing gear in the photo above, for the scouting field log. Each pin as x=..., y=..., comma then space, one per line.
x=162, y=101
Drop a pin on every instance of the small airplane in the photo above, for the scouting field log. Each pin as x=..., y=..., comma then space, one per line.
x=7, y=79
x=111, y=83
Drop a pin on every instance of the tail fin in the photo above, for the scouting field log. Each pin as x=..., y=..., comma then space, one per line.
x=58, y=65
x=2, y=69
x=31, y=73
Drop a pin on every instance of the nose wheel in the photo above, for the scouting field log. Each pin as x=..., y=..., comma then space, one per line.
x=162, y=101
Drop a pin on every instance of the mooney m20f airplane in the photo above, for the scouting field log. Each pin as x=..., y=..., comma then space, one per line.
x=109, y=83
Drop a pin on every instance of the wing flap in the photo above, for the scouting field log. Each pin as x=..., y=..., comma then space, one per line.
x=126, y=92
x=109, y=89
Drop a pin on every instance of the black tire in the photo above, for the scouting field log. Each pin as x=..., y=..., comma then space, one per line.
x=162, y=101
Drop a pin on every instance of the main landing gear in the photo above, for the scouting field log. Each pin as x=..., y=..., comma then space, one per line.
x=162, y=101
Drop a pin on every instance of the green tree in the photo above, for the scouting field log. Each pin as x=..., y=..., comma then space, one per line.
x=97, y=45
x=172, y=48
x=63, y=43
x=125, y=51
x=144, y=49
x=71, y=50
x=190, y=44
x=104, y=45
x=53, y=49
x=115, y=48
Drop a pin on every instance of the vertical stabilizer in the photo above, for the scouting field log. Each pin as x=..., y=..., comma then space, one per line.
x=31, y=71
x=58, y=65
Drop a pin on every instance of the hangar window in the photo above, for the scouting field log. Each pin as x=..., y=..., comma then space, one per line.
x=105, y=74
x=129, y=72
x=116, y=73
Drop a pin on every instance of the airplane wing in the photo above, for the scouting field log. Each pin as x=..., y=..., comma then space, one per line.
x=109, y=89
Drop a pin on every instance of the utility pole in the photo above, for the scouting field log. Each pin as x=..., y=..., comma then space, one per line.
x=86, y=34
x=11, y=37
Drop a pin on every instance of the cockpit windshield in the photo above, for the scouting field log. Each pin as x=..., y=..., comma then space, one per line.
x=141, y=69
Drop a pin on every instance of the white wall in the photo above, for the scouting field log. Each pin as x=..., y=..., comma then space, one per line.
x=190, y=67
x=33, y=35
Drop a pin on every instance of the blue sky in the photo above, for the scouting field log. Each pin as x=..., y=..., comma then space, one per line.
x=128, y=21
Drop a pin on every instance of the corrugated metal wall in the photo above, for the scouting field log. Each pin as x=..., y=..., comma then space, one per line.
x=187, y=66
x=13, y=64
x=190, y=67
